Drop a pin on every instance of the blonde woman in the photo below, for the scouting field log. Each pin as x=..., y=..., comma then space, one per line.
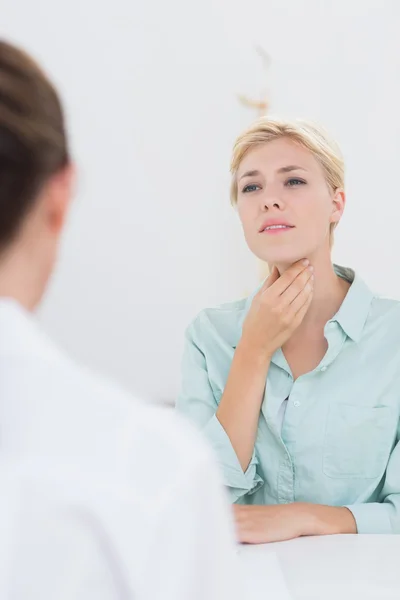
x=298, y=386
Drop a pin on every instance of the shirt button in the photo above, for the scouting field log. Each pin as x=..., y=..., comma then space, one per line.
x=296, y=403
x=323, y=369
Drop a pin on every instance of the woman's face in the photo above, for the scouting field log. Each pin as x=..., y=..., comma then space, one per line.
x=285, y=204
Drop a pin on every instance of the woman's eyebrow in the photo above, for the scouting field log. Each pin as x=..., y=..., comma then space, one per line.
x=290, y=168
x=249, y=174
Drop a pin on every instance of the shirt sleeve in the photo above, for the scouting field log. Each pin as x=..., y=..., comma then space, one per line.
x=384, y=516
x=197, y=401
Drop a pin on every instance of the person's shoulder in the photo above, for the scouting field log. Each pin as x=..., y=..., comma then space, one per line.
x=385, y=313
x=162, y=430
x=222, y=321
x=384, y=304
x=95, y=395
x=150, y=444
x=96, y=428
x=143, y=423
x=161, y=452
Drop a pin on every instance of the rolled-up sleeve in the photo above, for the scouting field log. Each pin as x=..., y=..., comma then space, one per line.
x=383, y=516
x=197, y=401
x=238, y=482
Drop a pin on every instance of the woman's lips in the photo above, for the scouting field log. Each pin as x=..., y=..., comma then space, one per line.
x=277, y=229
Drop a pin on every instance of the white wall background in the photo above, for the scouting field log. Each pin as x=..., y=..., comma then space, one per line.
x=150, y=91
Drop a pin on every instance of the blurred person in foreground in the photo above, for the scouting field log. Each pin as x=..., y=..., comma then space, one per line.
x=298, y=386
x=101, y=497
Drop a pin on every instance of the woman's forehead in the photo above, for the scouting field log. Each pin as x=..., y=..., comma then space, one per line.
x=276, y=155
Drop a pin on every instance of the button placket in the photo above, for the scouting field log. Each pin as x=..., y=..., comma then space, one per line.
x=286, y=482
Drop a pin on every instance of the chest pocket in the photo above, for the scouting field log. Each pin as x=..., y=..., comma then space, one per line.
x=358, y=441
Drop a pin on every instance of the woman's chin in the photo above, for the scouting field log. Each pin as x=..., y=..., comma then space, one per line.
x=282, y=260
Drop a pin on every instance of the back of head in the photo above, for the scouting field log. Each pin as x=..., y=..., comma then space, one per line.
x=33, y=144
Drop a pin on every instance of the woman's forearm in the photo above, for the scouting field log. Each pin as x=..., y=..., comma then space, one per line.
x=279, y=522
x=241, y=401
x=276, y=311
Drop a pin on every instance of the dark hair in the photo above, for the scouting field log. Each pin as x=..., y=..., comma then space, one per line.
x=33, y=144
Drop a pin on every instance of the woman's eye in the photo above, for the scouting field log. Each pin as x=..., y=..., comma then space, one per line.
x=293, y=182
x=250, y=188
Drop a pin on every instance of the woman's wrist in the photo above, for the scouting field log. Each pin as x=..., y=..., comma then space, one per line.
x=247, y=351
x=318, y=519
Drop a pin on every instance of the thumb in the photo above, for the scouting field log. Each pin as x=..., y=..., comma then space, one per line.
x=273, y=276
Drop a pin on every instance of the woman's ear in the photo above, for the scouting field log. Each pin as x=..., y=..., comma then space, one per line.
x=338, y=204
x=59, y=194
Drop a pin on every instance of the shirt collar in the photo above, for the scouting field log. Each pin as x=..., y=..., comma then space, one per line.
x=21, y=335
x=352, y=314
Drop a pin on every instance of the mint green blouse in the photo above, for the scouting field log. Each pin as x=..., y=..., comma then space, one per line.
x=336, y=442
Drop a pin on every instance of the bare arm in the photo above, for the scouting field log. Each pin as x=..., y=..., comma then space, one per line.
x=240, y=404
x=277, y=310
x=264, y=524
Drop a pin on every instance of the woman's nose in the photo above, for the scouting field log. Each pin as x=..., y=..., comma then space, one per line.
x=271, y=201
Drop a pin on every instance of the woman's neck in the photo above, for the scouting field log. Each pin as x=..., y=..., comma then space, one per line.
x=329, y=292
x=22, y=278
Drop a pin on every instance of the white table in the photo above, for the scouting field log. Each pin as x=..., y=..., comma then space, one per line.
x=346, y=567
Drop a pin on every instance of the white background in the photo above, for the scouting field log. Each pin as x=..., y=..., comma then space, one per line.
x=150, y=90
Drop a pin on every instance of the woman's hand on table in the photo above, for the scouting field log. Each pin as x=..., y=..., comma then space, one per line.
x=276, y=523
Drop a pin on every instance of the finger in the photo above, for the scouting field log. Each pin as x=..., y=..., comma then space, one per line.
x=271, y=279
x=242, y=536
x=302, y=298
x=249, y=533
x=289, y=276
x=297, y=286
